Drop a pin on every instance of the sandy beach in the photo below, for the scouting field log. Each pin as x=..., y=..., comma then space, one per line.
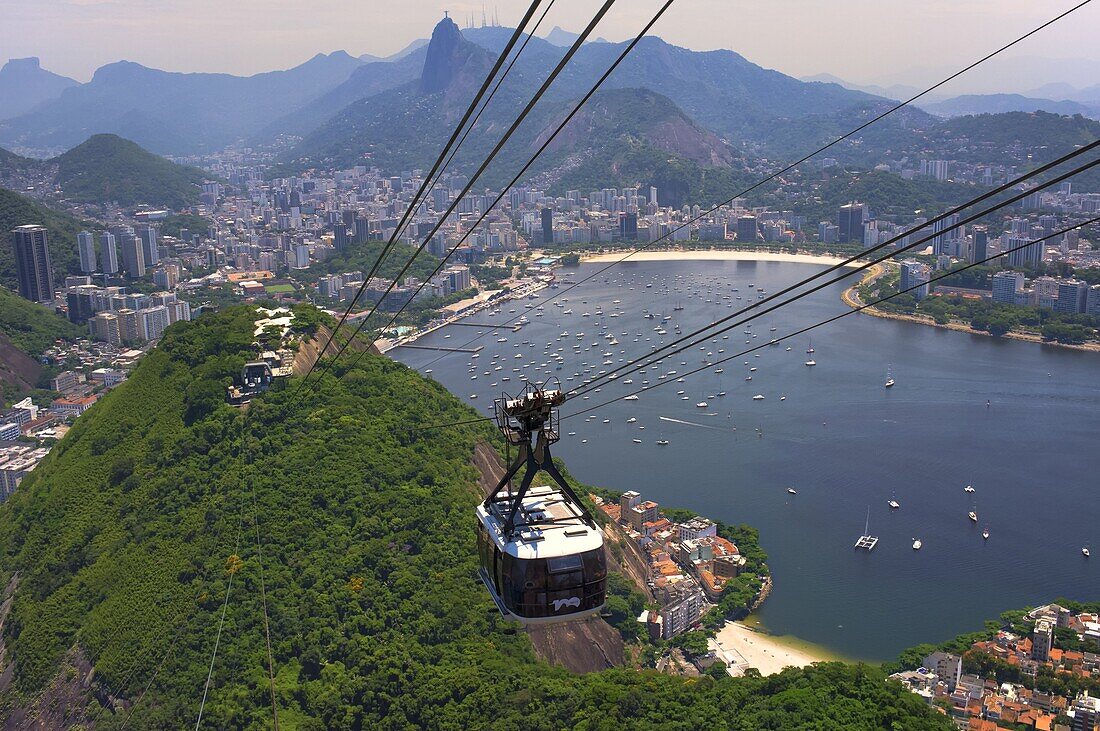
x=741, y=647
x=714, y=255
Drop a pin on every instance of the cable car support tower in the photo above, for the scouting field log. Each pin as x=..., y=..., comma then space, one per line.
x=529, y=423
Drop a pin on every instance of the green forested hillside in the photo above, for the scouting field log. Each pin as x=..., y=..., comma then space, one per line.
x=125, y=541
x=109, y=168
x=10, y=162
x=16, y=210
x=31, y=327
x=886, y=194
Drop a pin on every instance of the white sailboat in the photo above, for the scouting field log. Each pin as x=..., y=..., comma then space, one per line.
x=889, y=378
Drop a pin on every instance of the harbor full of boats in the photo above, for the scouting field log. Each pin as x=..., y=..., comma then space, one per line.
x=889, y=412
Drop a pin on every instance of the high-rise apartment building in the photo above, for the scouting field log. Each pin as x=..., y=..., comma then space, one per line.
x=1005, y=286
x=747, y=228
x=108, y=249
x=849, y=221
x=547, y=219
x=915, y=275
x=1031, y=255
x=105, y=326
x=628, y=226
x=133, y=256
x=85, y=249
x=979, y=248
x=148, y=236
x=32, y=262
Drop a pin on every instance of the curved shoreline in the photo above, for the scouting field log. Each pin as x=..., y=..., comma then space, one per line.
x=741, y=645
x=712, y=255
x=850, y=297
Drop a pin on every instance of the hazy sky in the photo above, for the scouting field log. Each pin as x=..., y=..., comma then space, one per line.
x=860, y=40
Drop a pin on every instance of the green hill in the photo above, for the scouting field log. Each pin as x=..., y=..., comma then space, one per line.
x=108, y=168
x=16, y=210
x=124, y=542
x=9, y=161
x=26, y=330
x=31, y=327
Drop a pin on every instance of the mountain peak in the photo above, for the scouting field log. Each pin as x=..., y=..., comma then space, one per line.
x=440, y=63
x=30, y=63
x=25, y=84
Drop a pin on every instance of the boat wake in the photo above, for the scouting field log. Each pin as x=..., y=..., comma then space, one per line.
x=692, y=423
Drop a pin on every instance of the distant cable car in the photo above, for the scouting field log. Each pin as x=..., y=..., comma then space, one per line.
x=541, y=553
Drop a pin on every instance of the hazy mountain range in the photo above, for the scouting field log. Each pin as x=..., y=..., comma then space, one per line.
x=1008, y=85
x=180, y=113
x=668, y=114
x=24, y=84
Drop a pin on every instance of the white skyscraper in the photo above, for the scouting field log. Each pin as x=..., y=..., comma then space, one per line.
x=85, y=246
x=109, y=251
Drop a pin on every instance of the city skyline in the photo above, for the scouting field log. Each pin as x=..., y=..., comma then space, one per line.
x=74, y=37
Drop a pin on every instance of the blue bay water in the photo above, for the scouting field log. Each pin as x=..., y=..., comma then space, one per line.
x=842, y=440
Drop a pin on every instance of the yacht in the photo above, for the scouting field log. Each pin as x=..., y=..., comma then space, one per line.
x=985, y=534
x=893, y=504
x=917, y=544
x=1085, y=551
x=758, y=397
x=662, y=442
x=631, y=420
x=631, y=397
x=973, y=516
x=811, y=362
x=701, y=405
x=792, y=491
x=968, y=488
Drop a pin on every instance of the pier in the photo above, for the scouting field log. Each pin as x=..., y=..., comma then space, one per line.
x=442, y=349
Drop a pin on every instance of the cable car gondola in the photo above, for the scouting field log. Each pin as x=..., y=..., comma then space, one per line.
x=541, y=553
